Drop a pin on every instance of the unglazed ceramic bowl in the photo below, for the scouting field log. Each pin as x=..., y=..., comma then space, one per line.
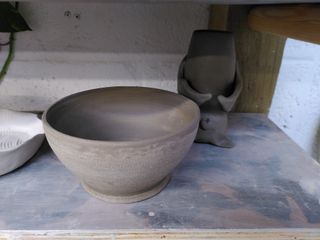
x=122, y=142
x=21, y=135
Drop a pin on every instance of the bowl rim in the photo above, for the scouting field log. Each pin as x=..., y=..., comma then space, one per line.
x=188, y=129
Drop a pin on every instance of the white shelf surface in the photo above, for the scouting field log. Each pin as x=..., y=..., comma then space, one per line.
x=265, y=182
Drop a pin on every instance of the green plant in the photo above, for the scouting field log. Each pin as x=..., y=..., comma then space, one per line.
x=11, y=21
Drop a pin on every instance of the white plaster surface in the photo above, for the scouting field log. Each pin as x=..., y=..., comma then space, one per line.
x=79, y=46
x=296, y=103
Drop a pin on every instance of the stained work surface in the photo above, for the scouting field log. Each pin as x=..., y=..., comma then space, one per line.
x=266, y=181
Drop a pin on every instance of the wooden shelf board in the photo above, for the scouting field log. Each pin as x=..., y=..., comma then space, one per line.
x=300, y=22
x=218, y=234
x=264, y=182
x=235, y=2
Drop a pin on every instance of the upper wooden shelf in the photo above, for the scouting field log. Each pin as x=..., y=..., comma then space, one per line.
x=300, y=22
x=233, y=2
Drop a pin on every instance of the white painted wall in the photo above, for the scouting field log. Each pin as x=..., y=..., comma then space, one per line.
x=296, y=103
x=138, y=44
x=108, y=44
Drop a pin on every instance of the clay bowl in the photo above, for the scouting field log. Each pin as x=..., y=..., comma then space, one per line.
x=122, y=142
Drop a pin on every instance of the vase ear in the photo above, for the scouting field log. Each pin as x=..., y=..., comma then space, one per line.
x=186, y=90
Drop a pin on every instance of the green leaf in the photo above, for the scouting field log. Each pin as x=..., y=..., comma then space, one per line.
x=11, y=20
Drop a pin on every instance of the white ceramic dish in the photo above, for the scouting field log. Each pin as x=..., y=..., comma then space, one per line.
x=21, y=135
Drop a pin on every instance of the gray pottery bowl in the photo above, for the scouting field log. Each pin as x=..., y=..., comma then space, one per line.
x=122, y=142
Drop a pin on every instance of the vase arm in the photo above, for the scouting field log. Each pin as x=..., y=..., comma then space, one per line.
x=228, y=103
x=186, y=89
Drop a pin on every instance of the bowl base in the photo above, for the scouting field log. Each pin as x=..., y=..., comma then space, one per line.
x=131, y=198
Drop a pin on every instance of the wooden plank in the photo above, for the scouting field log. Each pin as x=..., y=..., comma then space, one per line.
x=265, y=181
x=259, y=56
x=218, y=19
x=300, y=22
x=237, y=2
x=228, y=234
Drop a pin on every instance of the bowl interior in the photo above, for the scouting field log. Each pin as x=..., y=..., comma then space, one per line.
x=122, y=114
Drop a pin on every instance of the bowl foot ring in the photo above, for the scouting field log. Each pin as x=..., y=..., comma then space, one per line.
x=131, y=198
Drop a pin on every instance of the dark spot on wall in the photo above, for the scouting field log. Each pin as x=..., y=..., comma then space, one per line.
x=67, y=13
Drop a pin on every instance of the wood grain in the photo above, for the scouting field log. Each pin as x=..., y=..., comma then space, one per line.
x=227, y=234
x=218, y=19
x=300, y=22
x=259, y=56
